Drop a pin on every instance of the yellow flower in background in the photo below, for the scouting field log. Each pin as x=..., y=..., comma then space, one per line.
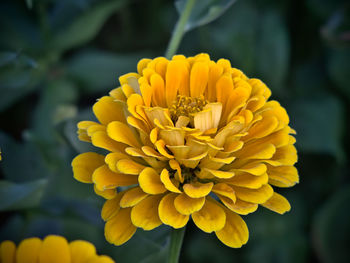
x=187, y=138
x=53, y=249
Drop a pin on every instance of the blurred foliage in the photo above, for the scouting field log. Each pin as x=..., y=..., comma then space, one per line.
x=58, y=57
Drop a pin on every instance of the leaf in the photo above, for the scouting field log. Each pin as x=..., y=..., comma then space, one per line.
x=21, y=196
x=98, y=70
x=319, y=124
x=19, y=76
x=19, y=31
x=276, y=238
x=20, y=161
x=272, y=54
x=85, y=26
x=151, y=246
x=331, y=228
x=204, y=11
x=339, y=68
x=7, y=57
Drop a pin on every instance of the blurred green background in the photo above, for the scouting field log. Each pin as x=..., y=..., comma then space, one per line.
x=58, y=56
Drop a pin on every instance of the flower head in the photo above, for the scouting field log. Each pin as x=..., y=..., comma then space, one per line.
x=190, y=138
x=53, y=249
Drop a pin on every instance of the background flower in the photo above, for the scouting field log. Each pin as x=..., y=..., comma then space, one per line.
x=50, y=250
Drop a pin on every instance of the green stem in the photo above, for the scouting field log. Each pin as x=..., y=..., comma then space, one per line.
x=177, y=236
x=179, y=29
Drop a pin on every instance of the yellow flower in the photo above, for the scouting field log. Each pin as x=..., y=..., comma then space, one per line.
x=53, y=249
x=190, y=138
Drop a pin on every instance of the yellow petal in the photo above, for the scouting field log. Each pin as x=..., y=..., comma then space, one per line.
x=187, y=205
x=28, y=250
x=277, y=203
x=132, y=197
x=239, y=207
x=203, y=120
x=162, y=149
x=121, y=132
x=106, y=193
x=168, y=213
x=253, y=168
x=211, y=217
x=142, y=64
x=220, y=174
x=199, y=79
x=262, y=128
x=145, y=213
x=173, y=80
x=132, y=80
x=7, y=252
x=112, y=159
x=224, y=190
x=215, y=72
x=102, y=140
x=248, y=180
x=81, y=251
x=158, y=97
x=119, y=228
x=173, y=137
x=146, y=92
x=168, y=183
x=128, y=166
x=158, y=114
x=254, y=151
x=283, y=176
x=216, y=110
x=235, y=232
x=117, y=94
x=85, y=164
x=107, y=110
x=197, y=189
x=258, y=196
x=104, y=178
x=149, y=181
x=111, y=207
x=54, y=249
x=100, y=259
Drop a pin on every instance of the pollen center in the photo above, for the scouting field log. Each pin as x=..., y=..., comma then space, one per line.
x=186, y=106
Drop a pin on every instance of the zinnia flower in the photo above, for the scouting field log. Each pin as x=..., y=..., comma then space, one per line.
x=187, y=138
x=53, y=249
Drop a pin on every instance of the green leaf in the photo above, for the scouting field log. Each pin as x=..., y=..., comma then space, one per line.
x=86, y=26
x=19, y=75
x=204, y=11
x=98, y=70
x=151, y=246
x=272, y=54
x=20, y=161
x=319, y=122
x=21, y=196
x=339, y=68
x=19, y=31
x=331, y=228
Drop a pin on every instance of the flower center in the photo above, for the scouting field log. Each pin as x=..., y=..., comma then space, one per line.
x=186, y=106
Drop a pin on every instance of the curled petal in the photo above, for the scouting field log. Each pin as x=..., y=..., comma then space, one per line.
x=187, y=205
x=169, y=215
x=277, y=203
x=119, y=228
x=145, y=213
x=235, y=232
x=150, y=182
x=211, y=217
x=85, y=164
x=197, y=189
